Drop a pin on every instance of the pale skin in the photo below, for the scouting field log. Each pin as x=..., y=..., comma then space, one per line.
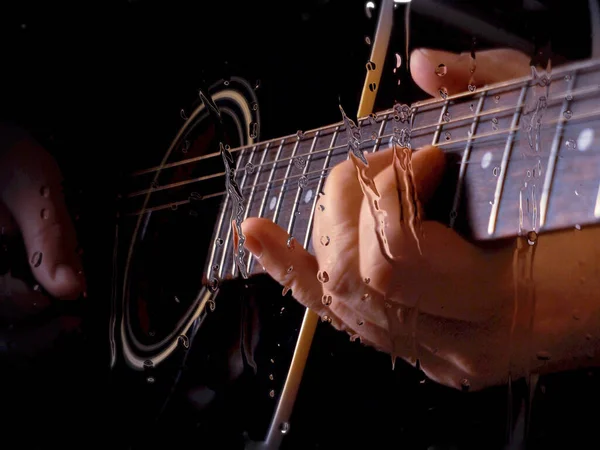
x=465, y=293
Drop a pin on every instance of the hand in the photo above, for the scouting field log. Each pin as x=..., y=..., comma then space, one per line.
x=32, y=203
x=453, y=296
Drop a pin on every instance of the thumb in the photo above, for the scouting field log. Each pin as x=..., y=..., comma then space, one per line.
x=30, y=188
x=436, y=69
x=289, y=264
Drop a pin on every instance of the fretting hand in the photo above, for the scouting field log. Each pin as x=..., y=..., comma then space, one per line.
x=463, y=292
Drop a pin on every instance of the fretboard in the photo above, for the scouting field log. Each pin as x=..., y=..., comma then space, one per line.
x=525, y=154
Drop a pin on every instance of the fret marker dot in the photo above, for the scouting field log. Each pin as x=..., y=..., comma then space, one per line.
x=308, y=196
x=584, y=140
x=486, y=160
x=273, y=203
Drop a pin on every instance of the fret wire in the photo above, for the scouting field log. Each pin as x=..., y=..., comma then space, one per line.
x=413, y=130
x=504, y=165
x=251, y=196
x=552, y=159
x=269, y=180
x=447, y=146
x=223, y=193
x=438, y=130
x=283, y=184
x=379, y=136
x=292, y=221
x=463, y=165
x=318, y=190
x=427, y=104
x=234, y=266
x=225, y=245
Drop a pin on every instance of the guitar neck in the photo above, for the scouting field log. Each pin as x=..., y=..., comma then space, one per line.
x=526, y=156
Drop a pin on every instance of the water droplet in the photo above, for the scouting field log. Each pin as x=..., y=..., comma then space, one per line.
x=291, y=243
x=354, y=338
x=300, y=134
x=323, y=276
x=567, y=77
x=271, y=377
x=215, y=267
x=321, y=208
x=532, y=237
x=300, y=162
x=365, y=296
x=398, y=60
x=44, y=213
x=212, y=305
x=441, y=70
x=367, y=40
x=496, y=171
x=496, y=99
x=446, y=116
x=285, y=290
x=37, y=288
x=177, y=299
x=567, y=114
x=447, y=136
x=374, y=135
x=290, y=269
x=327, y=299
x=571, y=144
x=360, y=322
x=148, y=364
x=253, y=127
x=543, y=355
x=150, y=380
x=367, y=280
x=45, y=191
x=372, y=87
x=302, y=181
x=388, y=305
x=443, y=92
x=371, y=65
x=569, y=97
x=325, y=241
x=213, y=284
x=495, y=121
x=326, y=318
x=284, y=427
x=578, y=227
x=249, y=168
x=465, y=384
x=219, y=241
x=472, y=107
x=472, y=88
x=257, y=84
x=272, y=393
x=36, y=259
x=183, y=341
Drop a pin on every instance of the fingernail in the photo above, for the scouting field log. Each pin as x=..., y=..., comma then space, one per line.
x=253, y=246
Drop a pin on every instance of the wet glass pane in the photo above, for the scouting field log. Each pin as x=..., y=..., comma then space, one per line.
x=300, y=225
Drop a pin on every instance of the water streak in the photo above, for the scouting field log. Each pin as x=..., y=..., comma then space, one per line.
x=233, y=190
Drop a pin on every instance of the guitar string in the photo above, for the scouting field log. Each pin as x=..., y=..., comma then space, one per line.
x=175, y=204
x=558, y=98
x=447, y=146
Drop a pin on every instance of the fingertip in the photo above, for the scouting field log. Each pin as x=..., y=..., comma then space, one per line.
x=68, y=283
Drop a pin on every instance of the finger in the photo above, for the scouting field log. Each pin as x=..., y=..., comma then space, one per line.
x=291, y=266
x=335, y=229
x=492, y=66
x=30, y=187
x=427, y=166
